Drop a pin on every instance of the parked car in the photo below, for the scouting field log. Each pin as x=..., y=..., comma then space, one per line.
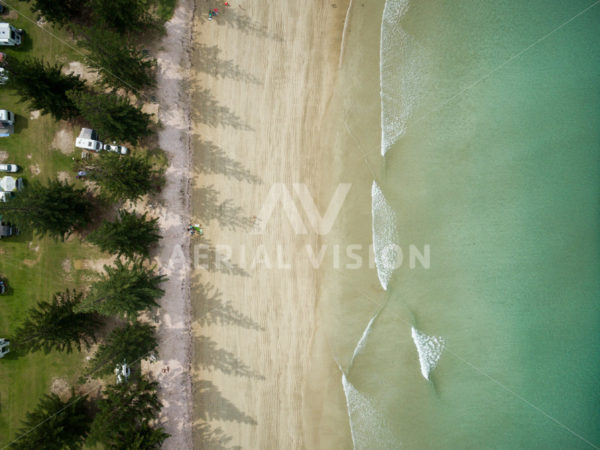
x=2, y=287
x=9, y=168
x=121, y=149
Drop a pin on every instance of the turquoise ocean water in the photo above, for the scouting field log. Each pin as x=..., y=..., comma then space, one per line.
x=490, y=154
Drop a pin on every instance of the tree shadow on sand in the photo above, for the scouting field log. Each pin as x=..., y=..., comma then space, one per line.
x=213, y=310
x=236, y=18
x=210, y=357
x=206, y=59
x=224, y=212
x=208, y=438
x=214, y=160
x=211, y=405
x=206, y=256
x=207, y=110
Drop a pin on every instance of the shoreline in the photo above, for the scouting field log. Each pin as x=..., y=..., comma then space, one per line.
x=173, y=256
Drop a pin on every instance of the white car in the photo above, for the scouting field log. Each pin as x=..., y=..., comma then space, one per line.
x=9, y=168
x=121, y=149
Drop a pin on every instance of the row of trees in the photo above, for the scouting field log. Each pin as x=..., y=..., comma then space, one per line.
x=44, y=87
x=58, y=208
x=125, y=417
x=123, y=16
x=126, y=414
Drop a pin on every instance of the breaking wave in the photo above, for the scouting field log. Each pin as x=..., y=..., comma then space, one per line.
x=430, y=350
x=400, y=73
x=368, y=427
x=384, y=234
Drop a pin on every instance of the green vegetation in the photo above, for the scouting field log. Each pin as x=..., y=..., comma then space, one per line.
x=112, y=115
x=125, y=417
x=43, y=86
x=122, y=178
x=56, y=325
x=165, y=9
x=36, y=264
x=55, y=424
x=130, y=343
x=118, y=65
x=122, y=15
x=60, y=12
x=124, y=290
x=128, y=235
x=56, y=209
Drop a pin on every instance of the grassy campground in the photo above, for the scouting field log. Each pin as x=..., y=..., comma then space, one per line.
x=36, y=267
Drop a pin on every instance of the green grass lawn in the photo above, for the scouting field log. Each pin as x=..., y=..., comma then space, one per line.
x=34, y=267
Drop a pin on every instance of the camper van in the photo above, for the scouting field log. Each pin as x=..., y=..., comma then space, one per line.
x=9, y=35
x=88, y=140
x=7, y=122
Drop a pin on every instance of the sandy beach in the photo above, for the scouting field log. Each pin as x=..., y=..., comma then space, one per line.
x=261, y=79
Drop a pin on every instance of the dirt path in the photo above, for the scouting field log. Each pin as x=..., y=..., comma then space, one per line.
x=173, y=254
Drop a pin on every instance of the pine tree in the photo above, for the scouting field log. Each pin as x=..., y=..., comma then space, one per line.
x=54, y=424
x=127, y=236
x=125, y=417
x=118, y=64
x=122, y=178
x=130, y=343
x=55, y=210
x=60, y=11
x=56, y=325
x=43, y=86
x=124, y=290
x=122, y=15
x=113, y=116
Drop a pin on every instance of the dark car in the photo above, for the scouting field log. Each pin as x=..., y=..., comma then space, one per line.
x=2, y=287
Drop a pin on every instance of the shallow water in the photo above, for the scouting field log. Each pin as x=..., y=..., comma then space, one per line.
x=489, y=128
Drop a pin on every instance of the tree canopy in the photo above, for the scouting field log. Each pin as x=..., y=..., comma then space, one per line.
x=55, y=209
x=118, y=65
x=43, y=86
x=56, y=325
x=125, y=416
x=129, y=235
x=124, y=290
x=130, y=343
x=55, y=424
x=113, y=116
x=122, y=15
x=60, y=11
x=122, y=177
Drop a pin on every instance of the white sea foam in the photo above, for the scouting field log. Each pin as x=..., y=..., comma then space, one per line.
x=401, y=72
x=384, y=235
x=430, y=350
x=368, y=427
x=363, y=340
